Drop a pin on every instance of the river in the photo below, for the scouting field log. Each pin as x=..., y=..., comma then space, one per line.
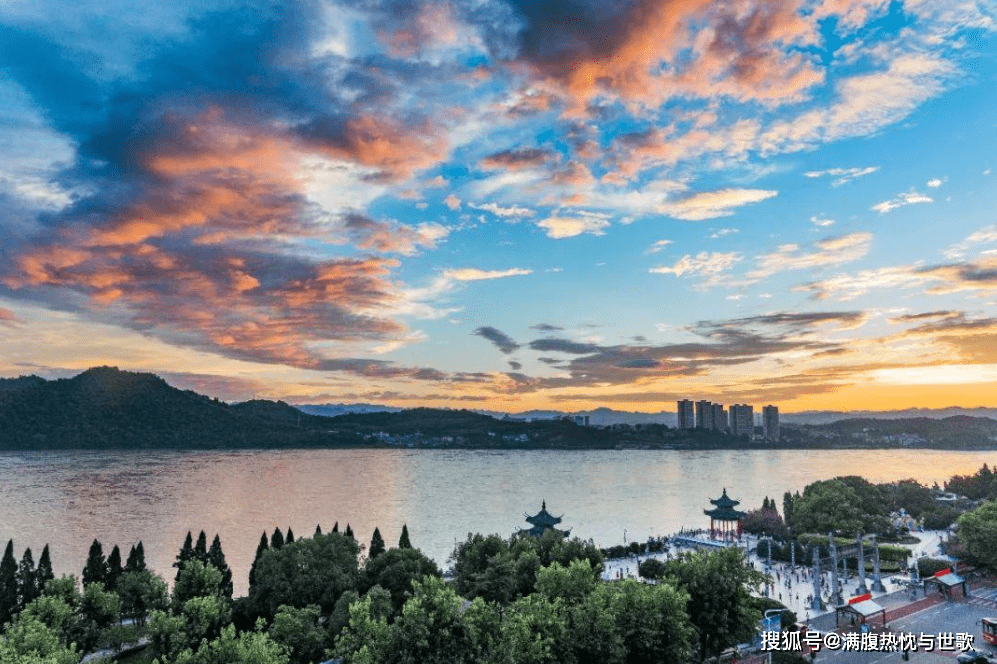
x=67, y=499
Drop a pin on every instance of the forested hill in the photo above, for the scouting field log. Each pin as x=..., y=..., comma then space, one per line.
x=105, y=408
x=957, y=432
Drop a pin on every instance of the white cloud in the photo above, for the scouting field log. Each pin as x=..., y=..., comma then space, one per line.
x=710, y=265
x=908, y=198
x=452, y=202
x=504, y=212
x=984, y=235
x=830, y=251
x=935, y=183
x=722, y=232
x=658, y=246
x=822, y=223
x=475, y=274
x=842, y=175
x=712, y=204
x=559, y=227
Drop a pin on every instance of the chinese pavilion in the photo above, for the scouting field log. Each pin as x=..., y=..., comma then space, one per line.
x=542, y=521
x=725, y=521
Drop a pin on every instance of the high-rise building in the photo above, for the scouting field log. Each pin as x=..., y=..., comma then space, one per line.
x=770, y=422
x=704, y=415
x=720, y=417
x=742, y=420
x=687, y=414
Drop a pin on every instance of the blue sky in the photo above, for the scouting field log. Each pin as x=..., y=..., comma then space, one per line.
x=505, y=204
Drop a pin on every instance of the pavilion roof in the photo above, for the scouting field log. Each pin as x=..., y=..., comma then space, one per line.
x=543, y=518
x=725, y=514
x=725, y=501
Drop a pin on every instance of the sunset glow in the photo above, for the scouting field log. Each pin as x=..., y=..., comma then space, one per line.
x=505, y=204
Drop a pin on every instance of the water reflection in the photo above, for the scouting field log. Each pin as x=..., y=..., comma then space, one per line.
x=69, y=498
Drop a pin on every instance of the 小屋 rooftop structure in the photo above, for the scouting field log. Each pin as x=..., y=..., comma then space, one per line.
x=859, y=610
x=543, y=521
x=725, y=521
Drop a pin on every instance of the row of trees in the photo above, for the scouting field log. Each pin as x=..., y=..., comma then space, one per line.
x=518, y=599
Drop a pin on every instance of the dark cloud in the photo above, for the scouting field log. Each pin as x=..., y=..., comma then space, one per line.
x=515, y=366
x=518, y=158
x=502, y=341
x=545, y=327
x=563, y=346
x=927, y=315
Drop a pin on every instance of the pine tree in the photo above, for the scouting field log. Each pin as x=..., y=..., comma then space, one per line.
x=260, y=548
x=201, y=548
x=349, y=532
x=277, y=540
x=335, y=528
x=136, y=563
x=8, y=584
x=787, y=508
x=318, y=529
x=44, y=573
x=96, y=567
x=376, y=545
x=290, y=536
x=114, y=569
x=186, y=552
x=403, y=541
x=217, y=558
x=26, y=588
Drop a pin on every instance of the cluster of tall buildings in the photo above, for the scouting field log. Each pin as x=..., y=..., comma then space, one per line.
x=739, y=421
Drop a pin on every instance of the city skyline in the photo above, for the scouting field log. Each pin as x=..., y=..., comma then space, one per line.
x=486, y=206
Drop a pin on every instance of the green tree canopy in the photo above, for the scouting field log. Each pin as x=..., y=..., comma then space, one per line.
x=308, y=571
x=978, y=534
x=403, y=541
x=376, y=545
x=95, y=570
x=719, y=605
x=395, y=570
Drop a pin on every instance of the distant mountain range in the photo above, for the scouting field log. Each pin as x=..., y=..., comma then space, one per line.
x=608, y=416
x=105, y=408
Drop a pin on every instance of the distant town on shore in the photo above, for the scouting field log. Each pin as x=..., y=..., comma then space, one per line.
x=107, y=408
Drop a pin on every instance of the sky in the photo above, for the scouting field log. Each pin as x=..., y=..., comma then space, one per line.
x=505, y=204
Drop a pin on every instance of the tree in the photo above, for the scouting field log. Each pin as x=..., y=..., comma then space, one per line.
x=787, y=509
x=44, y=572
x=95, y=570
x=300, y=632
x=318, y=529
x=308, y=571
x=99, y=609
x=186, y=552
x=197, y=579
x=141, y=592
x=430, y=630
x=843, y=505
x=27, y=588
x=290, y=536
x=8, y=584
x=277, y=540
x=349, y=532
x=217, y=558
x=114, y=568
x=651, y=620
x=136, y=559
x=29, y=641
x=260, y=549
x=376, y=545
x=395, y=570
x=978, y=533
x=719, y=605
x=652, y=568
x=201, y=548
x=232, y=647
x=335, y=527
x=403, y=541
